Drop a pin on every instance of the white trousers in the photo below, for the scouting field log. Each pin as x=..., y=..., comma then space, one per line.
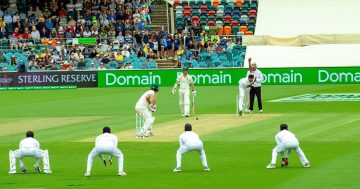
x=184, y=102
x=29, y=152
x=243, y=99
x=148, y=118
x=288, y=146
x=105, y=149
x=188, y=148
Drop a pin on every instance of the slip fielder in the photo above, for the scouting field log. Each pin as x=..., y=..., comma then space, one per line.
x=286, y=141
x=244, y=87
x=184, y=82
x=106, y=143
x=147, y=101
x=29, y=147
x=190, y=141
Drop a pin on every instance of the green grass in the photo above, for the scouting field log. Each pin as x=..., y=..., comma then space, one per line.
x=329, y=134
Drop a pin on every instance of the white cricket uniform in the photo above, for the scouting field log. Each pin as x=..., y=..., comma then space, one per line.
x=243, y=93
x=258, y=76
x=106, y=144
x=184, y=93
x=190, y=141
x=29, y=147
x=142, y=108
x=287, y=141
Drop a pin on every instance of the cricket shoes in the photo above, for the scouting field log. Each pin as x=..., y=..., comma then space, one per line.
x=104, y=161
x=261, y=111
x=87, y=174
x=122, y=174
x=240, y=113
x=22, y=170
x=271, y=166
x=47, y=171
x=250, y=111
x=307, y=165
x=207, y=169
x=177, y=169
x=110, y=161
x=12, y=172
x=37, y=169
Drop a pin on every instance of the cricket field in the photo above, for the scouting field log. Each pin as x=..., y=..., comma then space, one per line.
x=325, y=118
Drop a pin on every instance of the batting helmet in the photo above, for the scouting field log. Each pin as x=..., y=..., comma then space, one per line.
x=155, y=87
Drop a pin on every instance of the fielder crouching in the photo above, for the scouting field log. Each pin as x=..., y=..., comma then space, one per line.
x=286, y=141
x=106, y=144
x=29, y=147
x=190, y=141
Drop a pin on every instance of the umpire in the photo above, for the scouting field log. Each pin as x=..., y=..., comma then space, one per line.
x=255, y=88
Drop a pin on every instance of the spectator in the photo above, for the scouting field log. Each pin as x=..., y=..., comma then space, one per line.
x=2, y=58
x=14, y=43
x=13, y=61
x=92, y=67
x=101, y=66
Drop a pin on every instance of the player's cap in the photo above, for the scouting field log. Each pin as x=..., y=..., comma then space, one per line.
x=253, y=64
x=283, y=126
x=154, y=87
x=188, y=127
x=186, y=68
x=106, y=129
x=29, y=134
x=251, y=76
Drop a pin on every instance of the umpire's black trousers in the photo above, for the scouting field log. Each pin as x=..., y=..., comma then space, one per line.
x=255, y=91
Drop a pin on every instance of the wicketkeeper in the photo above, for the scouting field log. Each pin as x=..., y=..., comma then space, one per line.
x=184, y=82
x=145, y=106
x=29, y=147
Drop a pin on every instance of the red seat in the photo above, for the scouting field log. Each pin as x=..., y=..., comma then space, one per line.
x=211, y=13
x=227, y=18
x=211, y=23
x=176, y=3
x=187, y=13
x=252, y=13
x=203, y=8
x=195, y=19
x=187, y=7
x=234, y=23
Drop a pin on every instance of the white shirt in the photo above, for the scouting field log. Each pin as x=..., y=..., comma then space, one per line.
x=142, y=102
x=106, y=139
x=189, y=138
x=243, y=83
x=29, y=143
x=258, y=76
x=184, y=82
x=285, y=136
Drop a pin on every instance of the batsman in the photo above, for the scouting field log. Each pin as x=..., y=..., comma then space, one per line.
x=184, y=81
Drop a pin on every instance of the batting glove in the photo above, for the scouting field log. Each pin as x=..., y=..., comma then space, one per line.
x=194, y=93
x=152, y=108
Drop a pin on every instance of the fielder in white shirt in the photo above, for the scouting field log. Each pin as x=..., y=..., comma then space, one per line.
x=184, y=82
x=106, y=144
x=244, y=86
x=190, y=141
x=144, y=107
x=29, y=147
x=286, y=141
x=255, y=88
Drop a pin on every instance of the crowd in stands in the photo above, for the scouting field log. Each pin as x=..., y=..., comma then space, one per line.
x=39, y=34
